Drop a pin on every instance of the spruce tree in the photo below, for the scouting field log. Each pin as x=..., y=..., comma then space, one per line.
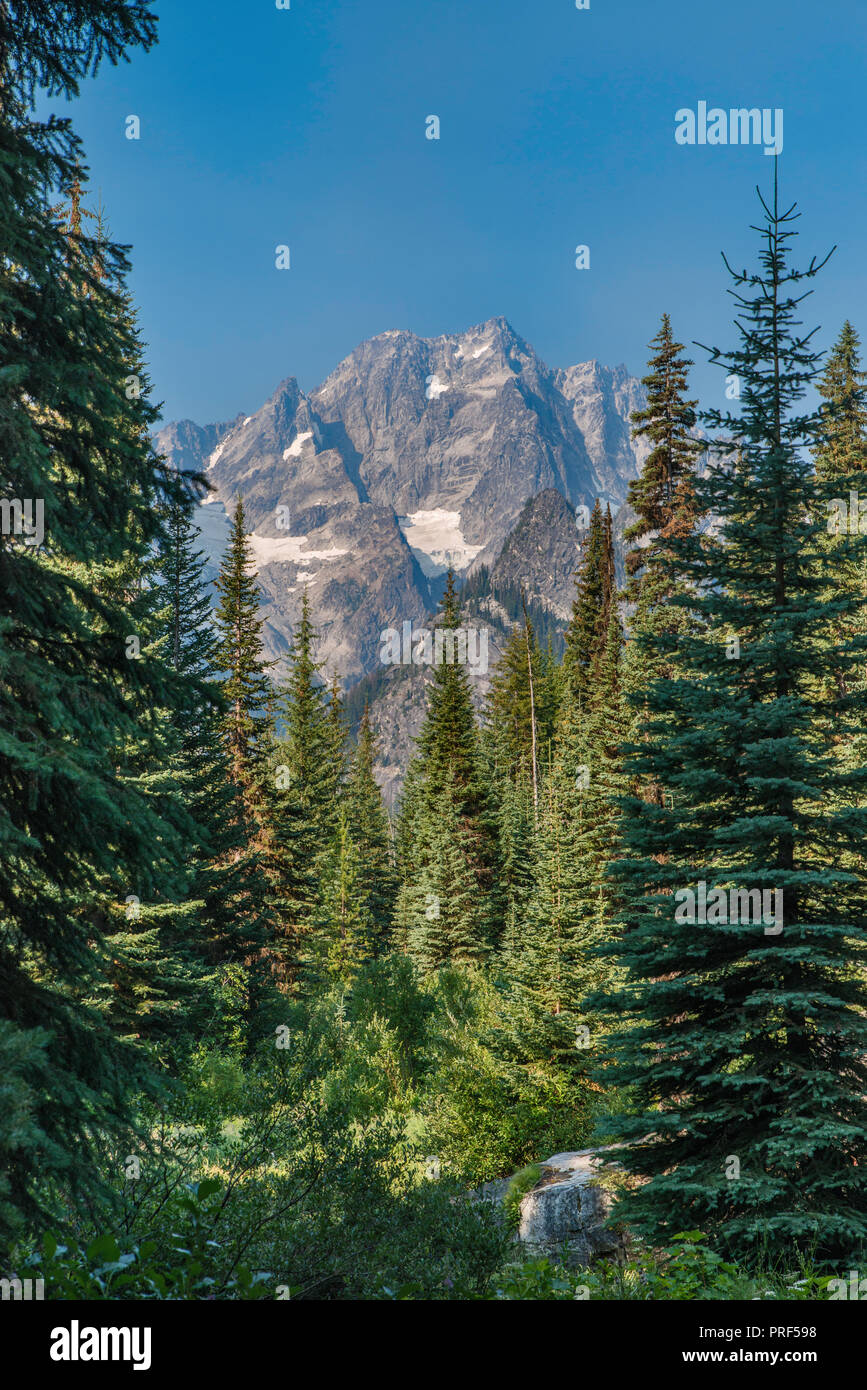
x=73, y=454
x=841, y=452
x=841, y=463
x=664, y=500
x=245, y=683
x=452, y=850
x=745, y=1040
x=368, y=826
x=663, y=495
x=306, y=772
x=554, y=963
x=228, y=893
x=587, y=633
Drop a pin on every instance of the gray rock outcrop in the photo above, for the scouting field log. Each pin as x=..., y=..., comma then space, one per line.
x=568, y=1209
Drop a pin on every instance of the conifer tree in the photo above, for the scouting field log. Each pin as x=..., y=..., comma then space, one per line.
x=245, y=683
x=519, y=709
x=587, y=633
x=145, y=980
x=307, y=767
x=841, y=451
x=663, y=495
x=73, y=456
x=344, y=932
x=745, y=1039
x=518, y=815
x=841, y=464
x=411, y=896
x=664, y=499
x=368, y=826
x=554, y=962
x=228, y=892
x=452, y=848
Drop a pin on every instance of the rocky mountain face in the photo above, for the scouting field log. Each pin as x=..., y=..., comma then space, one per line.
x=414, y=455
x=539, y=557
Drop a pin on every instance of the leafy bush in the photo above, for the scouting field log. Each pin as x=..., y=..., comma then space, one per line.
x=686, y=1270
x=521, y=1183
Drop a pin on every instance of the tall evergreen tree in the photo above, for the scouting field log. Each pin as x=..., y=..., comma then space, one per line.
x=554, y=962
x=229, y=892
x=343, y=938
x=368, y=826
x=664, y=500
x=307, y=769
x=745, y=1040
x=587, y=633
x=144, y=981
x=663, y=494
x=841, y=451
x=841, y=463
x=72, y=452
x=452, y=846
x=520, y=708
x=245, y=683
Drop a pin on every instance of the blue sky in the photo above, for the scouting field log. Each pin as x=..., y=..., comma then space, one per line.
x=306, y=127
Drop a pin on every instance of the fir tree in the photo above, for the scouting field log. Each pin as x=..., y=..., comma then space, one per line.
x=587, y=633
x=745, y=1040
x=519, y=709
x=841, y=464
x=72, y=449
x=368, y=826
x=231, y=916
x=554, y=962
x=344, y=929
x=453, y=825
x=664, y=500
x=306, y=774
x=663, y=495
x=245, y=683
x=841, y=451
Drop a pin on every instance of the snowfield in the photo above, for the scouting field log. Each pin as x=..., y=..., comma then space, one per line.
x=436, y=540
x=294, y=450
x=213, y=525
x=271, y=550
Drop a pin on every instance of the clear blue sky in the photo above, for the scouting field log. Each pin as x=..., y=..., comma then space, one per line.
x=307, y=127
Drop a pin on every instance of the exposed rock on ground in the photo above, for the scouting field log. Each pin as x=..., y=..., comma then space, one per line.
x=567, y=1208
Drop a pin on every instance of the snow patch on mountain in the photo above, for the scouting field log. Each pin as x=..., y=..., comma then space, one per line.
x=213, y=525
x=437, y=542
x=294, y=450
x=286, y=550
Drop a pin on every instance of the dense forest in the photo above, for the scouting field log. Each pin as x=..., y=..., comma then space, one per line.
x=261, y=1038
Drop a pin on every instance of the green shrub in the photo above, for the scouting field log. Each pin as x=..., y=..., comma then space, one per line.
x=521, y=1183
